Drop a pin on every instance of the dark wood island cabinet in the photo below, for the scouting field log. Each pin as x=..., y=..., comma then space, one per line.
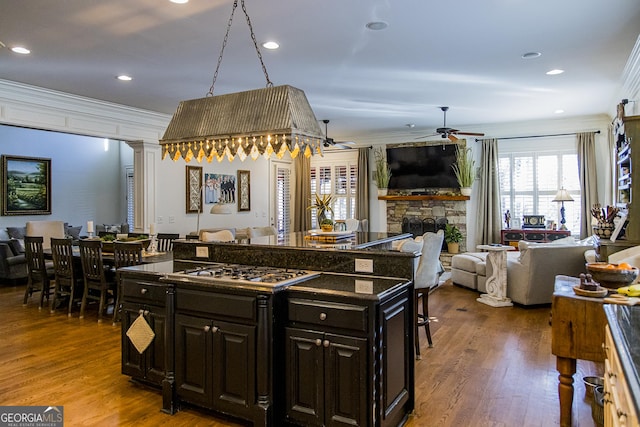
x=322, y=349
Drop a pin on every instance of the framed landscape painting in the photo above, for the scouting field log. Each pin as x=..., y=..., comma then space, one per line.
x=26, y=185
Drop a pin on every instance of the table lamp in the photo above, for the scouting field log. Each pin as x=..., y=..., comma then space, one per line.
x=562, y=196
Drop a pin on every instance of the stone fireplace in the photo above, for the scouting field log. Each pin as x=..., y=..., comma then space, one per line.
x=424, y=209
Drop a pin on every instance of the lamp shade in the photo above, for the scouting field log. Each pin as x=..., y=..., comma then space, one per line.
x=222, y=208
x=562, y=196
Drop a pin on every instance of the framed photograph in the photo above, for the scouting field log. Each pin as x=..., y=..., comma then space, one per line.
x=244, y=191
x=26, y=185
x=219, y=188
x=194, y=189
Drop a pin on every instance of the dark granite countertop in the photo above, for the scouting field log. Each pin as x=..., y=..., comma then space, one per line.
x=624, y=322
x=356, y=240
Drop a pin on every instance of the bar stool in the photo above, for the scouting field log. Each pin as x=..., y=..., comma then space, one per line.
x=40, y=272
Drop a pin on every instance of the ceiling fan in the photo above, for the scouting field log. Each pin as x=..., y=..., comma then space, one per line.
x=329, y=142
x=450, y=133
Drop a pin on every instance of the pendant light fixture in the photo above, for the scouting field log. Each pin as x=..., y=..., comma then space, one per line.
x=261, y=122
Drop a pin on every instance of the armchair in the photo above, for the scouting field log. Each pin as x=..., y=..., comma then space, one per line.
x=13, y=264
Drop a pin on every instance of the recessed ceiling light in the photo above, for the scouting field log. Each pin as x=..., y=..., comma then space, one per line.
x=377, y=25
x=124, y=78
x=179, y=1
x=559, y=111
x=530, y=55
x=554, y=72
x=270, y=45
x=21, y=50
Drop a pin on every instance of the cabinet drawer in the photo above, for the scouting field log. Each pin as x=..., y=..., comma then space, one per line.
x=510, y=235
x=145, y=292
x=328, y=314
x=238, y=306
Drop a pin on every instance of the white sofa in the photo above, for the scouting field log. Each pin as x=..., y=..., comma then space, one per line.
x=531, y=271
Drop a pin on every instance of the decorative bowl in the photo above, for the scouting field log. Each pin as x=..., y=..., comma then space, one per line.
x=612, y=276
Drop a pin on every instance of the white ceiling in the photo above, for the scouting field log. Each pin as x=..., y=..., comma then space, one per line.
x=465, y=54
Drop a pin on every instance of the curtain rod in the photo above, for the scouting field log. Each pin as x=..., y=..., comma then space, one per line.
x=539, y=136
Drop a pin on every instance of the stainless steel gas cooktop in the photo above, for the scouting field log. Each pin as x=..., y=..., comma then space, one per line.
x=248, y=274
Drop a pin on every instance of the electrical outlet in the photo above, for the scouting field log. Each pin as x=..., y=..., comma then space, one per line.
x=172, y=219
x=159, y=220
x=202, y=252
x=364, y=265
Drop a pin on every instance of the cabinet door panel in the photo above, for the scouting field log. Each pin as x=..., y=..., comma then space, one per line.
x=132, y=362
x=304, y=377
x=193, y=359
x=155, y=353
x=346, y=381
x=234, y=348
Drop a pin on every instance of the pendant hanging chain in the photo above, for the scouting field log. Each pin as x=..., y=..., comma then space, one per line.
x=224, y=44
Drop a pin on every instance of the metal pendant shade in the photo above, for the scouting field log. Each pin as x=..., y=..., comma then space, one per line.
x=254, y=123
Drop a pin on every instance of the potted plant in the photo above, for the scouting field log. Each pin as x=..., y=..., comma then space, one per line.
x=322, y=205
x=326, y=225
x=453, y=237
x=382, y=174
x=464, y=169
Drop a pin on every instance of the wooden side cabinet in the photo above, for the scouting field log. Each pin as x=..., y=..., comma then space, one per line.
x=619, y=409
x=513, y=236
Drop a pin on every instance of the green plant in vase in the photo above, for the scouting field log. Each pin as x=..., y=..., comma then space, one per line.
x=382, y=173
x=465, y=169
x=453, y=237
x=322, y=205
x=326, y=224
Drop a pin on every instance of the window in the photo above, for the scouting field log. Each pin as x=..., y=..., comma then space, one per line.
x=283, y=198
x=336, y=176
x=130, y=195
x=529, y=182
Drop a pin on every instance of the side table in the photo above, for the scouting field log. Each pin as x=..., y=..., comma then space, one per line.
x=496, y=295
x=577, y=332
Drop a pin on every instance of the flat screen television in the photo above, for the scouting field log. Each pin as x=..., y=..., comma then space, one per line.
x=422, y=167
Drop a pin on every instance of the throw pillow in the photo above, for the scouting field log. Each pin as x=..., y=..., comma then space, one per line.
x=17, y=232
x=218, y=236
x=73, y=232
x=112, y=228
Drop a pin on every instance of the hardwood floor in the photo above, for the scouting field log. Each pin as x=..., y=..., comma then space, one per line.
x=488, y=367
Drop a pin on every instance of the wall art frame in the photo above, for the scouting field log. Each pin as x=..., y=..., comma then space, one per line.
x=193, y=190
x=244, y=190
x=26, y=185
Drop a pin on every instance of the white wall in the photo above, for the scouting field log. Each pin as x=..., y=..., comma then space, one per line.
x=83, y=183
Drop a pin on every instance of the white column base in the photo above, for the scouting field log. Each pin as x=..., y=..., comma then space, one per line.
x=494, y=302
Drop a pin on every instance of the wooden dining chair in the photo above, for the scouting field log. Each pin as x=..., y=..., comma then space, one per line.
x=40, y=272
x=67, y=279
x=165, y=241
x=124, y=254
x=97, y=286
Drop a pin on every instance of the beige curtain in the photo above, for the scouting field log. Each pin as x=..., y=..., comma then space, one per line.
x=588, y=179
x=362, y=190
x=302, y=215
x=489, y=219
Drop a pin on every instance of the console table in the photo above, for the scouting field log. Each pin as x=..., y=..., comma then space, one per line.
x=512, y=236
x=577, y=332
x=496, y=295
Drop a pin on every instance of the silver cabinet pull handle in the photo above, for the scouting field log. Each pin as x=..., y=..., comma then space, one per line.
x=326, y=343
x=215, y=329
x=207, y=328
x=318, y=342
x=323, y=316
x=144, y=291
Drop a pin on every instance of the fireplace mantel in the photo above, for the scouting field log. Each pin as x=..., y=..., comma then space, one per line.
x=456, y=197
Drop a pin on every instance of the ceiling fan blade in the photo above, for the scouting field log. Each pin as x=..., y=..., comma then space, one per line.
x=470, y=133
x=452, y=137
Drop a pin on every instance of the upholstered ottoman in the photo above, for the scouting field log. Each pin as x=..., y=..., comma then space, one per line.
x=470, y=270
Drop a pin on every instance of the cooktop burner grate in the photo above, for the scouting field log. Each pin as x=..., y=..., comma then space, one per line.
x=239, y=272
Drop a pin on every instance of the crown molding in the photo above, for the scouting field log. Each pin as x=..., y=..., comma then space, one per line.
x=41, y=108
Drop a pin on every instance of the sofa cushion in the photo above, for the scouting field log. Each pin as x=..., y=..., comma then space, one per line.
x=73, y=232
x=471, y=262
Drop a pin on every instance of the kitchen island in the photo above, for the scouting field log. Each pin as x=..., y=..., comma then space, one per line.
x=325, y=347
